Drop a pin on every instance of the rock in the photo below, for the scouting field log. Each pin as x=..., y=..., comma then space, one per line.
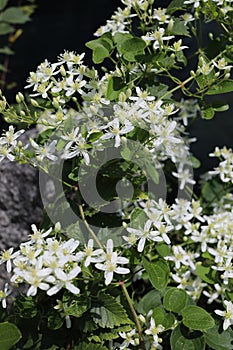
x=20, y=202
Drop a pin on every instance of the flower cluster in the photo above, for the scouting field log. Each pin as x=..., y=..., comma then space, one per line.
x=50, y=264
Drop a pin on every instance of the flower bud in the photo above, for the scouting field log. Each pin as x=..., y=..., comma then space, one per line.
x=34, y=102
x=19, y=97
x=170, y=25
x=62, y=71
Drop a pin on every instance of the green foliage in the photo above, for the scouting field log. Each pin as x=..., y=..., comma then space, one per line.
x=194, y=317
x=175, y=300
x=180, y=339
x=9, y=335
x=219, y=340
x=158, y=272
x=108, y=312
x=222, y=87
x=128, y=264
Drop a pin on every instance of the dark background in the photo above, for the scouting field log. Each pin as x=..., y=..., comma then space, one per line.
x=68, y=24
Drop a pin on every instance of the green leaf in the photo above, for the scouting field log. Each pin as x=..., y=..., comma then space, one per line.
x=90, y=346
x=220, y=106
x=152, y=171
x=208, y=113
x=212, y=190
x=195, y=162
x=148, y=302
x=55, y=320
x=162, y=317
x=179, y=341
x=115, y=86
x=221, y=88
x=99, y=54
x=75, y=306
x=219, y=341
x=14, y=15
x=158, y=272
x=180, y=28
x=206, y=273
x=108, y=312
x=26, y=306
x=3, y=4
x=133, y=45
x=6, y=51
x=194, y=317
x=138, y=218
x=101, y=48
x=5, y=28
x=163, y=249
x=175, y=299
x=9, y=335
x=175, y=5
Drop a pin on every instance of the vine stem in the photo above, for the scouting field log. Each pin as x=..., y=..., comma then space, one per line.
x=139, y=329
x=180, y=86
x=92, y=233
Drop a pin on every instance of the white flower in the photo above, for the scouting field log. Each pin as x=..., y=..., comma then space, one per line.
x=115, y=131
x=71, y=137
x=131, y=338
x=78, y=149
x=227, y=315
x=154, y=331
x=74, y=85
x=45, y=151
x=4, y=294
x=111, y=261
x=65, y=280
x=7, y=256
x=185, y=177
x=89, y=254
x=144, y=234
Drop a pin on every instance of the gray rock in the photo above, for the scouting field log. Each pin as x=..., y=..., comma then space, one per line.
x=20, y=202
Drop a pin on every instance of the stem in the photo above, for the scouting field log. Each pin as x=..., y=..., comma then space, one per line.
x=92, y=233
x=180, y=86
x=139, y=329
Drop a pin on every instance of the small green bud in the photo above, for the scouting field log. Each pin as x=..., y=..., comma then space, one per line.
x=20, y=145
x=170, y=25
x=34, y=102
x=56, y=103
x=57, y=227
x=19, y=97
x=211, y=36
x=216, y=74
x=122, y=97
x=22, y=113
x=227, y=75
x=63, y=71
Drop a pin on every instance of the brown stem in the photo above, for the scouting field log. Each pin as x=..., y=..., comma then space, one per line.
x=139, y=329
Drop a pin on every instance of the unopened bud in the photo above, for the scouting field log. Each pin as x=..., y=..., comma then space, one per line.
x=122, y=97
x=216, y=74
x=170, y=25
x=20, y=145
x=211, y=36
x=57, y=227
x=22, y=113
x=227, y=76
x=55, y=103
x=63, y=71
x=19, y=97
x=34, y=102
